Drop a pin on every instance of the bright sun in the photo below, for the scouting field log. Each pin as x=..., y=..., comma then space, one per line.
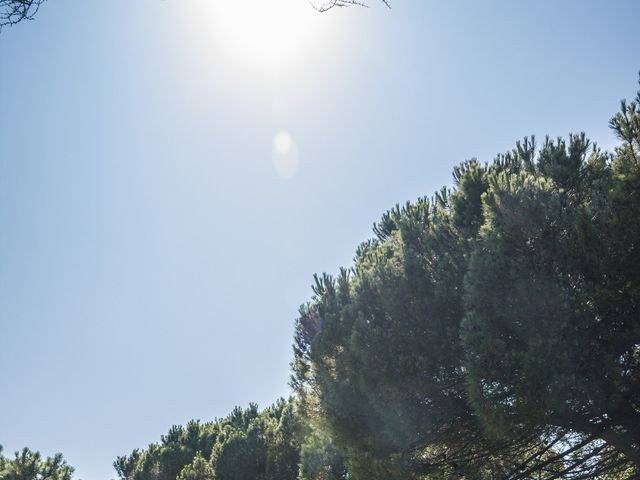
x=268, y=31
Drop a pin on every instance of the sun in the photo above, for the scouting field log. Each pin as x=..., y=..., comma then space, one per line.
x=266, y=31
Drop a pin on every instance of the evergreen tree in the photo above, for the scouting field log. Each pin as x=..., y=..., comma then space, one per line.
x=248, y=444
x=490, y=331
x=553, y=294
x=29, y=465
x=199, y=469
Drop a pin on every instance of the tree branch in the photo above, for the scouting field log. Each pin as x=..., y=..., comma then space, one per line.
x=329, y=4
x=14, y=11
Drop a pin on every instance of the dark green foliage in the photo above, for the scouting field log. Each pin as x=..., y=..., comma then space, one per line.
x=199, y=469
x=166, y=459
x=29, y=465
x=553, y=295
x=492, y=331
x=246, y=445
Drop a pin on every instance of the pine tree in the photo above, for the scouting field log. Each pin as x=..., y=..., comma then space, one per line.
x=490, y=331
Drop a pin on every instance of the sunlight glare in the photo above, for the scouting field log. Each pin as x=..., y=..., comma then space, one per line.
x=267, y=31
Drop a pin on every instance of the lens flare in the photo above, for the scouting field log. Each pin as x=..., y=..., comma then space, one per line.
x=285, y=156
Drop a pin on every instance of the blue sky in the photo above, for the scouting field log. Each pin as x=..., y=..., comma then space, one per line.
x=155, y=242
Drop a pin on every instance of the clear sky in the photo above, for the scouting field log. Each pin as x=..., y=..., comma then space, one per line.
x=172, y=173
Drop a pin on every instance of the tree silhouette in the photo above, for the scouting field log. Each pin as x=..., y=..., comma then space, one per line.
x=14, y=11
x=325, y=5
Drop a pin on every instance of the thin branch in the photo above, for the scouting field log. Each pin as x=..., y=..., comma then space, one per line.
x=329, y=4
x=15, y=11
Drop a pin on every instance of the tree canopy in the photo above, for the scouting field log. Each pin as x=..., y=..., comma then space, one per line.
x=488, y=331
x=29, y=465
x=247, y=444
x=491, y=330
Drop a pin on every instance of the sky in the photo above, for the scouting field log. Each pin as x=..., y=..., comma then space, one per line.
x=173, y=173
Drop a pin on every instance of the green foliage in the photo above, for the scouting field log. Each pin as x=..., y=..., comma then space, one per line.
x=29, y=465
x=199, y=469
x=553, y=294
x=320, y=459
x=246, y=445
x=490, y=331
